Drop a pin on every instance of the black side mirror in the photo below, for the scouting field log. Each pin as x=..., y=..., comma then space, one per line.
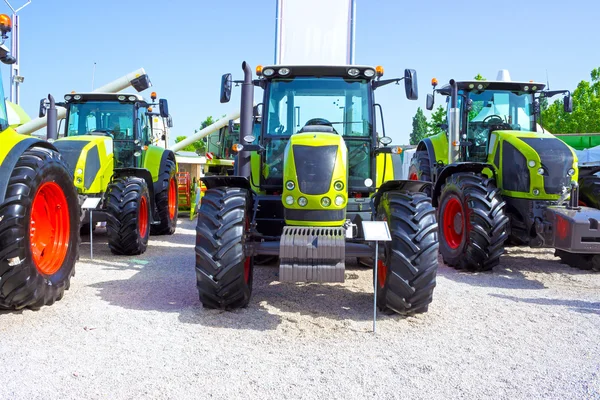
x=42, y=112
x=430, y=101
x=410, y=84
x=226, y=83
x=164, y=108
x=230, y=126
x=163, y=137
x=568, y=104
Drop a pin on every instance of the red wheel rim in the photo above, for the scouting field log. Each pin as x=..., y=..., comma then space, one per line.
x=413, y=177
x=49, y=228
x=172, y=198
x=143, y=217
x=453, y=223
x=381, y=273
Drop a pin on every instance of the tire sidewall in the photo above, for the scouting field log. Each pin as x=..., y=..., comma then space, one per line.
x=55, y=171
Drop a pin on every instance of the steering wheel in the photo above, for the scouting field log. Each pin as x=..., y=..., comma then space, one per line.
x=494, y=116
x=320, y=121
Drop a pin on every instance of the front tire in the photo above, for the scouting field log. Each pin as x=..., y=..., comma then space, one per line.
x=166, y=201
x=128, y=214
x=224, y=271
x=39, y=231
x=407, y=272
x=473, y=223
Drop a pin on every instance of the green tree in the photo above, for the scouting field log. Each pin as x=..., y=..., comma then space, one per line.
x=438, y=117
x=198, y=146
x=478, y=77
x=585, y=117
x=419, y=127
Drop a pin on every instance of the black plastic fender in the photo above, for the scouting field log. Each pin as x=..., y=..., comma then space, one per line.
x=411, y=186
x=451, y=169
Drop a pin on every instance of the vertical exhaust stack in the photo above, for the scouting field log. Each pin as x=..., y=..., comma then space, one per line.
x=51, y=118
x=454, y=125
x=246, y=121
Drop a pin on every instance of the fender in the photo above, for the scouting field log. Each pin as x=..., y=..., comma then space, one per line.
x=426, y=144
x=411, y=186
x=452, y=169
x=9, y=163
x=214, y=181
x=167, y=155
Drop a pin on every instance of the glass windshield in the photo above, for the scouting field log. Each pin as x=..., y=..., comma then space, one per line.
x=330, y=101
x=494, y=110
x=101, y=117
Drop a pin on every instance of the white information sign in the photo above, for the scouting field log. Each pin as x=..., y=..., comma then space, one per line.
x=376, y=231
x=91, y=202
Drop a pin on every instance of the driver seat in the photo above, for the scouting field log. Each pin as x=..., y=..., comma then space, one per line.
x=317, y=125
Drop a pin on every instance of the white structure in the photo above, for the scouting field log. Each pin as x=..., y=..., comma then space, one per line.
x=315, y=32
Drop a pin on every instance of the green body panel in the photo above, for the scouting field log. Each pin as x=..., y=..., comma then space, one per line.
x=340, y=172
x=440, y=147
x=255, y=172
x=106, y=156
x=8, y=139
x=384, y=161
x=151, y=161
x=580, y=142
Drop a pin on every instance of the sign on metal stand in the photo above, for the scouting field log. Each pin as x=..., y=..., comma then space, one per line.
x=91, y=203
x=376, y=231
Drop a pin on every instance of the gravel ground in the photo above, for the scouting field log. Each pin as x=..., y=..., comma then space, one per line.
x=132, y=327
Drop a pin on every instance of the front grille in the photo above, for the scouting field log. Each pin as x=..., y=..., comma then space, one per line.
x=557, y=159
x=70, y=150
x=314, y=167
x=314, y=215
x=515, y=174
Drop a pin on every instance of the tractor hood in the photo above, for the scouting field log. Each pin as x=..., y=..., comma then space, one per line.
x=90, y=160
x=532, y=163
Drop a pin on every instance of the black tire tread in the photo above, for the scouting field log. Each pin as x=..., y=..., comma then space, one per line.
x=411, y=256
x=166, y=226
x=220, y=249
x=589, y=190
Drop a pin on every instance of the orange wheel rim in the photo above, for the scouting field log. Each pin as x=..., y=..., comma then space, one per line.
x=381, y=273
x=172, y=198
x=49, y=228
x=143, y=217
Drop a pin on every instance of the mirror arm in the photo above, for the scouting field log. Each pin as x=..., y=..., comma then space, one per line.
x=384, y=82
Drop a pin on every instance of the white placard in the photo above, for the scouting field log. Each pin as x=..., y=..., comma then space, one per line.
x=376, y=231
x=91, y=202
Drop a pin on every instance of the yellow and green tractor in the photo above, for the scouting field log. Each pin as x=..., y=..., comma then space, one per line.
x=120, y=177
x=301, y=189
x=499, y=180
x=39, y=212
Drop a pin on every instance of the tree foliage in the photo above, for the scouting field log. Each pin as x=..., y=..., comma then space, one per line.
x=585, y=117
x=199, y=146
x=419, y=130
x=438, y=117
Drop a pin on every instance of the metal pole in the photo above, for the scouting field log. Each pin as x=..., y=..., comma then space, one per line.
x=91, y=235
x=18, y=67
x=375, y=290
x=14, y=68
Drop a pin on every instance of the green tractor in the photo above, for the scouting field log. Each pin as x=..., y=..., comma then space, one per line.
x=303, y=187
x=121, y=178
x=498, y=180
x=39, y=212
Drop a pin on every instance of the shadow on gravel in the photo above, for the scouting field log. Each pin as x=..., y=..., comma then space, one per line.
x=500, y=277
x=585, y=307
x=163, y=279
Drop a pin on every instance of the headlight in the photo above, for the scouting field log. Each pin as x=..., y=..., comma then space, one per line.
x=77, y=97
x=369, y=73
x=121, y=98
x=79, y=171
x=67, y=98
x=325, y=202
x=289, y=200
x=339, y=185
x=541, y=171
x=339, y=200
x=536, y=192
x=571, y=172
x=302, y=201
x=132, y=98
x=290, y=185
x=284, y=71
x=531, y=163
x=353, y=72
x=268, y=72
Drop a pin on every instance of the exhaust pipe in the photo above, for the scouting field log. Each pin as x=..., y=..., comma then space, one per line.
x=246, y=121
x=453, y=125
x=51, y=118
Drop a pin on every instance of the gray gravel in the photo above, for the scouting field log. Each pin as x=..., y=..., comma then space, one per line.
x=132, y=327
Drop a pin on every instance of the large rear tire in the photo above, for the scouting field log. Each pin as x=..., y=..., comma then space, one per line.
x=589, y=191
x=407, y=272
x=224, y=271
x=472, y=222
x=128, y=214
x=166, y=201
x=39, y=231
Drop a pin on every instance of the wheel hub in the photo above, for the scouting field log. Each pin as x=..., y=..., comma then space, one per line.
x=458, y=223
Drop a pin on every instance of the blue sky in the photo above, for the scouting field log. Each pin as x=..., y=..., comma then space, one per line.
x=185, y=46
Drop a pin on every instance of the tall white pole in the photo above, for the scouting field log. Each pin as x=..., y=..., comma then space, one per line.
x=15, y=78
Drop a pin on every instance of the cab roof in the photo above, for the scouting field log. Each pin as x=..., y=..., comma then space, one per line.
x=97, y=96
x=319, y=71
